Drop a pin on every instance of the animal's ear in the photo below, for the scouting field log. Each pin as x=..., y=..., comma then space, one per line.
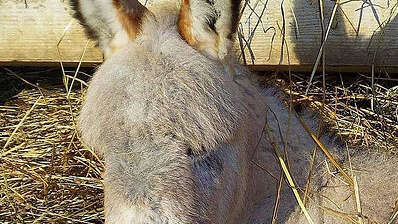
x=82, y=12
x=110, y=22
x=130, y=14
x=227, y=22
x=209, y=25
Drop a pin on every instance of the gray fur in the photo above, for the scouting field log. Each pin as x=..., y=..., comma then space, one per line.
x=144, y=114
x=178, y=131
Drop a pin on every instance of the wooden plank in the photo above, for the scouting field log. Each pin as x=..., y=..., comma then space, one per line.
x=30, y=33
x=362, y=33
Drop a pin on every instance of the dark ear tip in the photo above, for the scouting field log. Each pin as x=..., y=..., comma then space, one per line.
x=77, y=14
x=236, y=7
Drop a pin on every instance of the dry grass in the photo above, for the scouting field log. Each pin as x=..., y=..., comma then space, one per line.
x=46, y=175
x=364, y=115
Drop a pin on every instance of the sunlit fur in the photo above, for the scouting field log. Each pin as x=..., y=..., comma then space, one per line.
x=179, y=133
x=330, y=197
x=162, y=113
x=378, y=192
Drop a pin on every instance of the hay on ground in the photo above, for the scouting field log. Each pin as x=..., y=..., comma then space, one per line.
x=46, y=175
x=49, y=176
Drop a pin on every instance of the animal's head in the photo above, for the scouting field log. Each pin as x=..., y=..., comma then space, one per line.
x=208, y=26
x=169, y=120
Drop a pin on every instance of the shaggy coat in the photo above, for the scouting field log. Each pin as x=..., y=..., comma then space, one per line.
x=182, y=135
x=172, y=125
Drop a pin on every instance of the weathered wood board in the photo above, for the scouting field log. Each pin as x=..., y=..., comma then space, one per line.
x=362, y=33
x=31, y=32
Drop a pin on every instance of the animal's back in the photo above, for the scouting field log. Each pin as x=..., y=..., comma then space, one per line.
x=330, y=198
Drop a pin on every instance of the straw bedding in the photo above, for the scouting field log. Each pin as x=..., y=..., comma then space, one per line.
x=48, y=176
x=363, y=114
